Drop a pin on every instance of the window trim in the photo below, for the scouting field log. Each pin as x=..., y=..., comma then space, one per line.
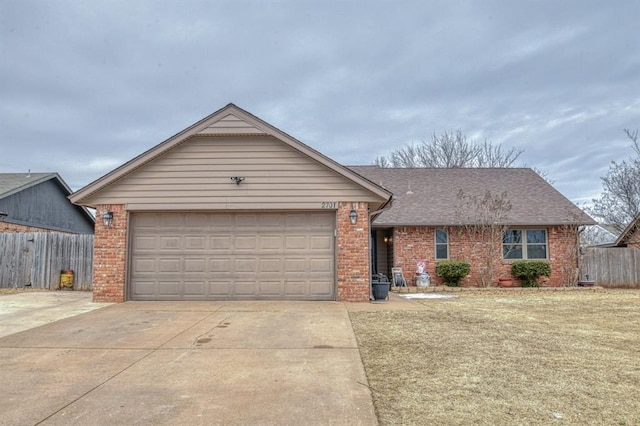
x=524, y=244
x=436, y=243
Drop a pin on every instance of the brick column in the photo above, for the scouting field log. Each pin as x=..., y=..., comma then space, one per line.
x=353, y=253
x=110, y=255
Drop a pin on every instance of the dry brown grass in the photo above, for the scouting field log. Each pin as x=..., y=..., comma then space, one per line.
x=506, y=358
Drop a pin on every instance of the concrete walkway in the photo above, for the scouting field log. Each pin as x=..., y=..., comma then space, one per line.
x=196, y=363
x=22, y=311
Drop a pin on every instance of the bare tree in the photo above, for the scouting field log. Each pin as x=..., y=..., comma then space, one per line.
x=450, y=150
x=620, y=199
x=485, y=220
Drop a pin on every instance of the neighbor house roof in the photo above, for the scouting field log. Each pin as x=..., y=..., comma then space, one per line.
x=628, y=232
x=225, y=121
x=12, y=183
x=430, y=196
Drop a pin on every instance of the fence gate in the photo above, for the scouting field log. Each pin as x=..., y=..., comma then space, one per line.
x=37, y=259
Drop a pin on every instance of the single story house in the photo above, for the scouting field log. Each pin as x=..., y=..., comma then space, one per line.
x=37, y=202
x=488, y=217
x=232, y=208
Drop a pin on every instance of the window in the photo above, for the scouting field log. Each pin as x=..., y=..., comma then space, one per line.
x=524, y=244
x=442, y=244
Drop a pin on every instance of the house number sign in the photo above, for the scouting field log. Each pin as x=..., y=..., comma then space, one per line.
x=329, y=205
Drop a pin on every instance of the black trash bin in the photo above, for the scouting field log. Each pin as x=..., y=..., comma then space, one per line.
x=380, y=290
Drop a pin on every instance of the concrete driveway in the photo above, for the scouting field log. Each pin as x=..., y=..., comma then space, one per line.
x=188, y=363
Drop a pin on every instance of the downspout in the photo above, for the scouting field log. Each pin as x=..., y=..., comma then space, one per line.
x=372, y=216
x=579, y=253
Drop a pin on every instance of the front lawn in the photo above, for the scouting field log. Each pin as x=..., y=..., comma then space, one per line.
x=503, y=358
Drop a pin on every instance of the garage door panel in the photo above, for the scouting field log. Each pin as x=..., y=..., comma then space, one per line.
x=244, y=266
x=270, y=266
x=220, y=221
x=145, y=288
x=144, y=243
x=170, y=242
x=247, y=221
x=270, y=288
x=298, y=288
x=169, y=288
x=246, y=242
x=270, y=221
x=195, y=288
x=169, y=265
x=295, y=242
x=169, y=220
x=295, y=265
x=244, y=288
x=214, y=256
x=220, y=265
x=195, y=243
x=196, y=220
x=220, y=289
x=319, y=265
x=318, y=288
x=321, y=243
x=220, y=243
x=198, y=265
x=142, y=265
x=271, y=242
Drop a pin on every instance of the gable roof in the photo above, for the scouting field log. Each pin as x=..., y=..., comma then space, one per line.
x=628, y=232
x=12, y=183
x=429, y=196
x=228, y=121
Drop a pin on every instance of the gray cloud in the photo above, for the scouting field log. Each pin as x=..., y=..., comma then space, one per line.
x=86, y=86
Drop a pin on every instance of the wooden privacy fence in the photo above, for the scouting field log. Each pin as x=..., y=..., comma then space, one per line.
x=611, y=267
x=37, y=260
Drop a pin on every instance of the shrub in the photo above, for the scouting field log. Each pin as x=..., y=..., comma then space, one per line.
x=530, y=270
x=452, y=271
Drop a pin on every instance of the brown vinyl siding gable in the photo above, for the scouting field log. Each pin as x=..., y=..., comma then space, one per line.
x=231, y=125
x=196, y=174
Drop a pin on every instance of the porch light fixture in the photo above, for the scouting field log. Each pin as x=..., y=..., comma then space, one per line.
x=237, y=179
x=353, y=217
x=107, y=219
x=388, y=240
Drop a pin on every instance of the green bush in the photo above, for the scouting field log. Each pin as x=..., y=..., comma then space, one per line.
x=530, y=270
x=452, y=271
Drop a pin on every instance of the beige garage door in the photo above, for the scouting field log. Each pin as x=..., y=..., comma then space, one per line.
x=233, y=256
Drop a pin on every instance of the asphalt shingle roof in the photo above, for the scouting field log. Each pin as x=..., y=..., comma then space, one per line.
x=429, y=196
x=10, y=183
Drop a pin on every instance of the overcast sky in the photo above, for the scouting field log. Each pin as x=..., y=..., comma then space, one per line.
x=87, y=85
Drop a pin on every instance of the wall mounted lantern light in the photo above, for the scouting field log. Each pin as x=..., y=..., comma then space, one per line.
x=353, y=217
x=237, y=179
x=107, y=219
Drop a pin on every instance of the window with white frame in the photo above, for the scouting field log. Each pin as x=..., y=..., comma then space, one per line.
x=442, y=244
x=524, y=244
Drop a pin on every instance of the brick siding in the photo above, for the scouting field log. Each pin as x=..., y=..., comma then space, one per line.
x=13, y=228
x=110, y=255
x=353, y=253
x=415, y=243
